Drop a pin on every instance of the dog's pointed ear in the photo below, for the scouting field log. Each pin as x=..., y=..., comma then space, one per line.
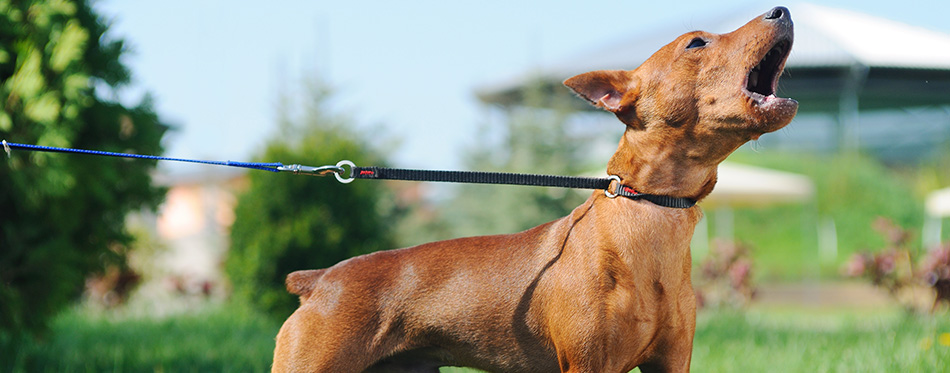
x=612, y=90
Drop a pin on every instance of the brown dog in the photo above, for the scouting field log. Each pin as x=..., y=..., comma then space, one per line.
x=604, y=289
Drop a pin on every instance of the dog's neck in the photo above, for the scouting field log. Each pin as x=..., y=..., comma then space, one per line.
x=647, y=162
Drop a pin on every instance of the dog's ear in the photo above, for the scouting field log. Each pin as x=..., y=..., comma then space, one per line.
x=606, y=89
x=612, y=90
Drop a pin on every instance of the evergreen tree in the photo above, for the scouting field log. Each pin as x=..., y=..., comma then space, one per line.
x=63, y=215
x=287, y=222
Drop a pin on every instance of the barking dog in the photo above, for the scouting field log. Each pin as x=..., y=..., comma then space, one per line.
x=604, y=289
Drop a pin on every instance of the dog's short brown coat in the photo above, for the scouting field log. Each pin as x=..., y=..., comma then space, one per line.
x=604, y=289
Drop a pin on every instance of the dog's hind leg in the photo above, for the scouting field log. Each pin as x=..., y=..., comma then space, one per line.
x=308, y=343
x=322, y=337
x=310, y=348
x=300, y=350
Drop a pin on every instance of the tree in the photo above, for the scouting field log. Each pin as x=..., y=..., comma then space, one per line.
x=63, y=215
x=287, y=222
x=536, y=138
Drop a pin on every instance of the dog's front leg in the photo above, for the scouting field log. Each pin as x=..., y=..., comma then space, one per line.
x=675, y=349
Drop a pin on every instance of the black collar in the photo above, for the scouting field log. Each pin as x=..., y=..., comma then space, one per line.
x=665, y=201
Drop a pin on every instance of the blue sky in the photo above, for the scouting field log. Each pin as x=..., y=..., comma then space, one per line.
x=407, y=69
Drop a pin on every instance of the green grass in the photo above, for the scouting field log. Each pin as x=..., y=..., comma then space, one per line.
x=850, y=190
x=797, y=341
x=216, y=340
x=759, y=340
x=807, y=340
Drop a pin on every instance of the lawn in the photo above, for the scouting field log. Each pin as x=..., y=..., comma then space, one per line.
x=214, y=340
x=821, y=341
x=758, y=340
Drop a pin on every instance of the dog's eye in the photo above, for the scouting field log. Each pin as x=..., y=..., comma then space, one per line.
x=696, y=43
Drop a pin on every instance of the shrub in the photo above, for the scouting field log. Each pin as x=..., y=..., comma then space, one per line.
x=725, y=276
x=64, y=215
x=893, y=268
x=935, y=271
x=287, y=222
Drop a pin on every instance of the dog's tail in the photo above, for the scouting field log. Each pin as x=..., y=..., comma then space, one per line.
x=302, y=282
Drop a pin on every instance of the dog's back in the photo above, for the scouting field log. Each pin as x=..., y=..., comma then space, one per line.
x=392, y=305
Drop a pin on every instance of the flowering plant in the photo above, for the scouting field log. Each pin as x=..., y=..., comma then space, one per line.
x=893, y=267
x=726, y=276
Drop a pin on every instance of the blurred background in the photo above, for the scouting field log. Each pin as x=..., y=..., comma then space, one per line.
x=825, y=245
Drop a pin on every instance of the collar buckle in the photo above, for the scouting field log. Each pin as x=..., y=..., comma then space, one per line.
x=607, y=191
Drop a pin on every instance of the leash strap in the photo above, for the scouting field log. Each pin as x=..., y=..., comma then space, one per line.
x=383, y=173
x=480, y=177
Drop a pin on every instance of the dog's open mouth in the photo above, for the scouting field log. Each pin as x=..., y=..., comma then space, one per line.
x=763, y=77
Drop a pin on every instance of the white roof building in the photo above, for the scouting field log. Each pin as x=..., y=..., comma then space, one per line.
x=843, y=65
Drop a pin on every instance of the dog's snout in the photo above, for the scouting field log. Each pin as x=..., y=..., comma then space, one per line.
x=777, y=13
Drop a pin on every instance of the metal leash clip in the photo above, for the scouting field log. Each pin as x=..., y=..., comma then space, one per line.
x=337, y=170
x=607, y=191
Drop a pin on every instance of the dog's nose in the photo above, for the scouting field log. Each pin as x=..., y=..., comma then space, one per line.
x=777, y=13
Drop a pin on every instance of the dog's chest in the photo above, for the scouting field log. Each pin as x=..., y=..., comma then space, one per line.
x=645, y=260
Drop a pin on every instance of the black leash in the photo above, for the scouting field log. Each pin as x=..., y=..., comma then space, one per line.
x=518, y=179
x=383, y=173
x=479, y=177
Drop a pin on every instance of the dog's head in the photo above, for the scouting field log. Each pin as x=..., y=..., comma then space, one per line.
x=717, y=89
